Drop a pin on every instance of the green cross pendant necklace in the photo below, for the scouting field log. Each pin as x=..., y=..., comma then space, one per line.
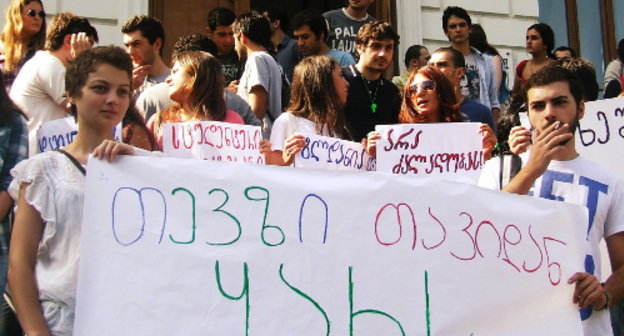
x=372, y=94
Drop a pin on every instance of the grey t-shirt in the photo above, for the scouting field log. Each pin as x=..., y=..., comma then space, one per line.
x=342, y=57
x=343, y=30
x=156, y=98
x=262, y=70
x=151, y=81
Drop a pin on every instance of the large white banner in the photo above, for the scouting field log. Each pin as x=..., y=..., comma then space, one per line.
x=193, y=247
x=58, y=133
x=323, y=152
x=450, y=150
x=213, y=140
x=600, y=136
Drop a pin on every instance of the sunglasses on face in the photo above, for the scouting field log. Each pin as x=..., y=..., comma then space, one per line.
x=425, y=86
x=33, y=13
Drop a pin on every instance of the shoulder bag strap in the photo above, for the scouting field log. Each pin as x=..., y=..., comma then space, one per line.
x=74, y=161
x=510, y=165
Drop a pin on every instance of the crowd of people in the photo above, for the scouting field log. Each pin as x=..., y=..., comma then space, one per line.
x=248, y=70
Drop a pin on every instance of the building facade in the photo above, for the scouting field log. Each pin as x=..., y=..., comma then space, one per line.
x=417, y=21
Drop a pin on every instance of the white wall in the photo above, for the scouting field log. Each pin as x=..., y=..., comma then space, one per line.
x=504, y=21
x=107, y=16
x=419, y=21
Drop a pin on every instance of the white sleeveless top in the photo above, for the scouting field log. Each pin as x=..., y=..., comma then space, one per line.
x=56, y=190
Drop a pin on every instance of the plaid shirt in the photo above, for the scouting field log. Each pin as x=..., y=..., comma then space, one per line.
x=13, y=147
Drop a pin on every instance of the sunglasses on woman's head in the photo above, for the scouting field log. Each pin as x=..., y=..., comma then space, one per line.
x=33, y=13
x=427, y=85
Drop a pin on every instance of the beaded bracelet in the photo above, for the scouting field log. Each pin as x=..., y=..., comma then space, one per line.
x=606, y=294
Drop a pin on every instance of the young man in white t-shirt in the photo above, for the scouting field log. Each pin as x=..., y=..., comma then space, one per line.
x=261, y=82
x=555, y=171
x=39, y=88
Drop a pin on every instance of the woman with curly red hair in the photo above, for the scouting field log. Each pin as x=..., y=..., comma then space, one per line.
x=429, y=98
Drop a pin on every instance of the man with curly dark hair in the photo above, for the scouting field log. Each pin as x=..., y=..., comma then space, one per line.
x=373, y=100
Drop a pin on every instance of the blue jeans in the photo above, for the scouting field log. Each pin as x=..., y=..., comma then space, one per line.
x=617, y=318
x=4, y=261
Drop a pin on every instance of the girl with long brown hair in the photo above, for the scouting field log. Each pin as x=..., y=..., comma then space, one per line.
x=196, y=85
x=318, y=94
x=540, y=41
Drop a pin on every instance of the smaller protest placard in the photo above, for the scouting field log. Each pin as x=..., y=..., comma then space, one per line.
x=58, y=133
x=524, y=120
x=213, y=140
x=601, y=133
x=450, y=150
x=323, y=152
x=600, y=138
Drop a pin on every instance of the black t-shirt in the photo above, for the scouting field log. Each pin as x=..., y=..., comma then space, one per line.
x=613, y=89
x=232, y=68
x=359, y=115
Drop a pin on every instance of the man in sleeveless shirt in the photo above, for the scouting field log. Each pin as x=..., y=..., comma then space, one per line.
x=344, y=24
